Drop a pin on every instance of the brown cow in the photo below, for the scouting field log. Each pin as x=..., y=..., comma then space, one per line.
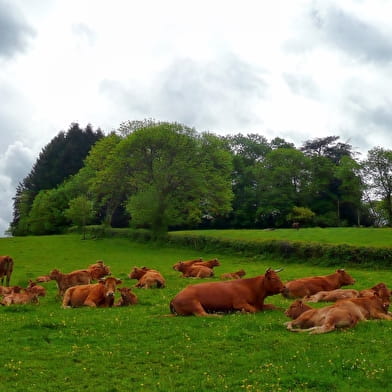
x=245, y=295
x=333, y=295
x=28, y=296
x=127, y=297
x=296, y=309
x=345, y=313
x=6, y=268
x=35, y=288
x=303, y=287
x=147, y=277
x=188, y=262
x=370, y=292
x=195, y=271
x=98, y=270
x=64, y=281
x=233, y=275
x=9, y=290
x=99, y=294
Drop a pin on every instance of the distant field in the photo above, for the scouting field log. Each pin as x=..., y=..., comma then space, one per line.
x=138, y=349
x=353, y=236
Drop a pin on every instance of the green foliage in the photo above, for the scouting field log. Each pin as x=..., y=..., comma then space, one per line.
x=58, y=160
x=137, y=348
x=301, y=215
x=80, y=212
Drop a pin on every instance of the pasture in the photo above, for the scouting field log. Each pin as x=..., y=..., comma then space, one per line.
x=138, y=348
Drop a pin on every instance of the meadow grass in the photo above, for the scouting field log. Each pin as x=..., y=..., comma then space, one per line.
x=341, y=235
x=138, y=348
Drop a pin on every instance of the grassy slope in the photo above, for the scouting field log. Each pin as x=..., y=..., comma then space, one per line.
x=352, y=236
x=46, y=348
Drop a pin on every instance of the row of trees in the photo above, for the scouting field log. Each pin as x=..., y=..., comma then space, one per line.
x=166, y=175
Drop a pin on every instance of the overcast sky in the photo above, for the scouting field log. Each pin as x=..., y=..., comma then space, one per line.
x=294, y=69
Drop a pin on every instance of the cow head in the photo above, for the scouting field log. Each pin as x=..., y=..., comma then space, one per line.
x=344, y=278
x=35, y=288
x=54, y=274
x=99, y=270
x=127, y=296
x=241, y=273
x=214, y=263
x=296, y=309
x=110, y=284
x=137, y=273
x=272, y=282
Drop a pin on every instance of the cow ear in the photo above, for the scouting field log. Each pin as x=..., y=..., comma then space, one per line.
x=118, y=281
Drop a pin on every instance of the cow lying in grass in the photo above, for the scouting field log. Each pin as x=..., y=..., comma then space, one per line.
x=100, y=294
x=345, y=313
x=9, y=289
x=196, y=268
x=27, y=296
x=233, y=275
x=147, y=277
x=304, y=287
x=245, y=295
x=332, y=296
x=127, y=297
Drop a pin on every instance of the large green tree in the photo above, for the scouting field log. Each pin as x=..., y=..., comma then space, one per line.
x=176, y=177
x=58, y=160
x=377, y=170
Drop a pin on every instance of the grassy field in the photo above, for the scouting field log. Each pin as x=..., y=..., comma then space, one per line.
x=46, y=348
x=342, y=235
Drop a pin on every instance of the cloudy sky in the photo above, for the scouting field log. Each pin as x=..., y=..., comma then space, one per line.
x=294, y=69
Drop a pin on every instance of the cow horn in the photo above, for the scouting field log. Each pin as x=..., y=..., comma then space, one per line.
x=268, y=269
x=279, y=269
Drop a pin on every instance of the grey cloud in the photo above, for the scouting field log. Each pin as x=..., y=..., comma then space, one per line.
x=215, y=94
x=353, y=36
x=14, y=30
x=302, y=85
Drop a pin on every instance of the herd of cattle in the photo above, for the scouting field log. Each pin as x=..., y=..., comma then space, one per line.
x=232, y=293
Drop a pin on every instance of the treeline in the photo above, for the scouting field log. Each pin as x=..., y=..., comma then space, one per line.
x=164, y=176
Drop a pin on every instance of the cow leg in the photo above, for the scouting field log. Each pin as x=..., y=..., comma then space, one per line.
x=245, y=307
x=89, y=302
x=269, y=307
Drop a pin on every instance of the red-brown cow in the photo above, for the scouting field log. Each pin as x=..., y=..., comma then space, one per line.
x=188, y=262
x=233, y=275
x=98, y=270
x=370, y=292
x=6, y=268
x=35, y=288
x=296, y=309
x=64, y=281
x=147, y=277
x=195, y=271
x=100, y=294
x=9, y=290
x=333, y=295
x=127, y=297
x=245, y=295
x=27, y=296
x=303, y=287
x=344, y=313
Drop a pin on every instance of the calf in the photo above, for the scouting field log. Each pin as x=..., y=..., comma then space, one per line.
x=188, y=262
x=147, y=277
x=35, y=288
x=332, y=296
x=127, y=297
x=100, y=294
x=26, y=297
x=233, y=275
x=6, y=268
x=9, y=290
x=344, y=313
x=64, y=281
x=303, y=287
x=245, y=295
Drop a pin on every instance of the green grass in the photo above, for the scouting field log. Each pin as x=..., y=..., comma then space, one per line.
x=46, y=348
x=352, y=236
